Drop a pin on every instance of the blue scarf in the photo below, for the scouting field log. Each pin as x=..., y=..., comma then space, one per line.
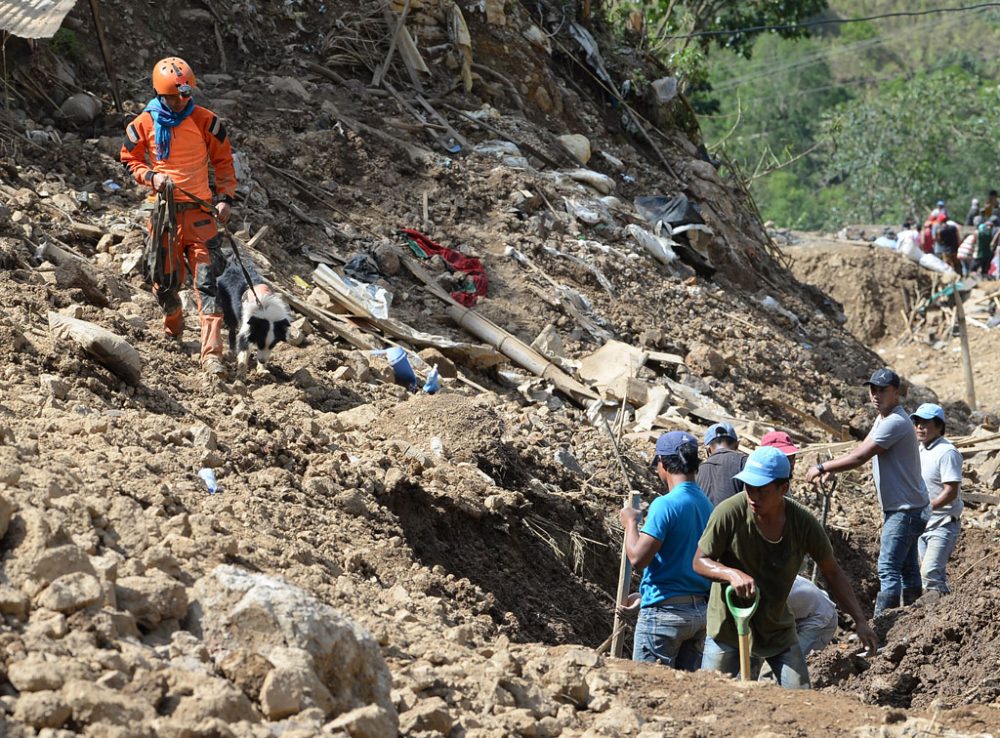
x=164, y=121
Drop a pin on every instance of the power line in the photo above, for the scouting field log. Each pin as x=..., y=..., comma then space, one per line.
x=768, y=69
x=829, y=21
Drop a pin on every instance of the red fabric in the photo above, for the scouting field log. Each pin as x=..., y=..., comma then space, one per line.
x=457, y=261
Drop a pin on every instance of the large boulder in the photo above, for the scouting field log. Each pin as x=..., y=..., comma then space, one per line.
x=234, y=609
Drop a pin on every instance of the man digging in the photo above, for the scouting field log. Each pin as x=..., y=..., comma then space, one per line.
x=756, y=542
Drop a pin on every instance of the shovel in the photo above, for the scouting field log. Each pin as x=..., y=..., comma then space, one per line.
x=742, y=617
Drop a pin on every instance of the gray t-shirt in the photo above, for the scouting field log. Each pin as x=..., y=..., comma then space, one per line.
x=810, y=606
x=897, y=469
x=939, y=463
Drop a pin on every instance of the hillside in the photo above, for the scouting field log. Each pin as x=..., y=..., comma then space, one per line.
x=378, y=562
x=823, y=126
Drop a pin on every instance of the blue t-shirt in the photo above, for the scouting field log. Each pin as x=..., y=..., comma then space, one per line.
x=677, y=520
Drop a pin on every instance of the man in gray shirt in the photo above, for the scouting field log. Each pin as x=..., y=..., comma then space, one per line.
x=892, y=447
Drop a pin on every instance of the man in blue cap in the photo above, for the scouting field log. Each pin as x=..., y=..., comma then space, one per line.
x=892, y=447
x=941, y=467
x=717, y=473
x=756, y=542
x=672, y=598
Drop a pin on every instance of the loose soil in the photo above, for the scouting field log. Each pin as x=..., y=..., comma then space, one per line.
x=452, y=527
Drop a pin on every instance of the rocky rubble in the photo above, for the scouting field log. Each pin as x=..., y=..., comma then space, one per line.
x=373, y=562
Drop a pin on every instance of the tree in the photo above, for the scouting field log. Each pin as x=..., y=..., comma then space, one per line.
x=684, y=18
x=915, y=141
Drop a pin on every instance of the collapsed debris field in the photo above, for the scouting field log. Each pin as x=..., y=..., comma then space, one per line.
x=471, y=535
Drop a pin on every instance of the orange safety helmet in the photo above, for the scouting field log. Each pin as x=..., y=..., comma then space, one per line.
x=173, y=76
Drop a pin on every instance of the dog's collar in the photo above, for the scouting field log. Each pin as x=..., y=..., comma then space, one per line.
x=261, y=290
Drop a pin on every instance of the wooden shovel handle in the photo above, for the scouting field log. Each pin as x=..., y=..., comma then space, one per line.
x=744, y=658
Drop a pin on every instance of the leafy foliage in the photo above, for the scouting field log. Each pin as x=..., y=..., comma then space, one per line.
x=868, y=121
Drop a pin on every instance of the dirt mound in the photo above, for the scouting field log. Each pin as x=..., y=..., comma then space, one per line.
x=876, y=288
x=463, y=533
x=941, y=650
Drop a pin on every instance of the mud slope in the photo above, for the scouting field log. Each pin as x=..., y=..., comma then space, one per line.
x=380, y=562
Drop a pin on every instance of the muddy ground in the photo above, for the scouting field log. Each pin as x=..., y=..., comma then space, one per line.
x=473, y=533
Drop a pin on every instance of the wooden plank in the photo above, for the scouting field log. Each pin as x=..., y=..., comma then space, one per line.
x=384, y=67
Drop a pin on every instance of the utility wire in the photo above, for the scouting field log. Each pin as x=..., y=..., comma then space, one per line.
x=820, y=56
x=828, y=21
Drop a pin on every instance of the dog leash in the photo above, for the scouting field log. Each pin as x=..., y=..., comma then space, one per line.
x=164, y=227
x=210, y=211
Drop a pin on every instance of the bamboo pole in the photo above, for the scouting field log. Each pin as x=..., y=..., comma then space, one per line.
x=517, y=351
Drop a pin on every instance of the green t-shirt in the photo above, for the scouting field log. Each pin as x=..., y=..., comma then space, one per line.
x=732, y=538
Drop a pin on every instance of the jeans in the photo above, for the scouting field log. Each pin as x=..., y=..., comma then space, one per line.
x=788, y=667
x=935, y=547
x=671, y=634
x=898, y=562
x=811, y=638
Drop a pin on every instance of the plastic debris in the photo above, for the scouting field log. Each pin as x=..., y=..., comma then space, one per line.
x=208, y=477
x=433, y=383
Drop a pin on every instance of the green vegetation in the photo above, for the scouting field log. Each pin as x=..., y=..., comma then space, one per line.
x=862, y=122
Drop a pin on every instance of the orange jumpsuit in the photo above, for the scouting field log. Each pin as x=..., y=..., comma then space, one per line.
x=198, y=141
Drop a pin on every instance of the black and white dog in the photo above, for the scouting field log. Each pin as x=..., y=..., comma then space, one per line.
x=254, y=323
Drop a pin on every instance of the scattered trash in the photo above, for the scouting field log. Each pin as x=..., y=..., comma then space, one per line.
x=425, y=248
x=588, y=211
x=539, y=38
x=208, y=477
x=109, y=185
x=661, y=248
x=665, y=89
x=772, y=305
x=433, y=383
x=507, y=152
x=401, y=368
x=674, y=211
x=362, y=267
x=437, y=448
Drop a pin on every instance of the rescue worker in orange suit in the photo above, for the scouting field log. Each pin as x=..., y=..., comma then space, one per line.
x=174, y=141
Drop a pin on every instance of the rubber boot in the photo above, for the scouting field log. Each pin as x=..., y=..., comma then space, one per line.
x=911, y=595
x=885, y=601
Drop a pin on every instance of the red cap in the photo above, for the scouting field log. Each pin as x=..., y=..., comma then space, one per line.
x=781, y=441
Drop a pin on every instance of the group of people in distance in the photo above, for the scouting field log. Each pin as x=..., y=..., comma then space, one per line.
x=728, y=522
x=969, y=247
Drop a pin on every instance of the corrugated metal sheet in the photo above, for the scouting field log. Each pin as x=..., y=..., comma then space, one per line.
x=33, y=18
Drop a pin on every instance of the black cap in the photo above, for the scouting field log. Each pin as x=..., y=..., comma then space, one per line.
x=883, y=378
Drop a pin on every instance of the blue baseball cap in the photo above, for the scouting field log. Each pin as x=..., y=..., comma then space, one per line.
x=940, y=203
x=720, y=430
x=764, y=465
x=670, y=443
x=928, y=411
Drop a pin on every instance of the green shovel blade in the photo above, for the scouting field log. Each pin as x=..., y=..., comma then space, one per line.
x=741, y=615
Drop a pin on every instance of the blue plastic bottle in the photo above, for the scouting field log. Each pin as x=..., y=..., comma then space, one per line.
x=208, y=477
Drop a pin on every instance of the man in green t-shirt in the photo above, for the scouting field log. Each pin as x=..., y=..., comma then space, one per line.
x=756, y=541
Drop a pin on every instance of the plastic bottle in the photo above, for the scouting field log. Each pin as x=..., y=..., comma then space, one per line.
x=433, y=383
x=208, y=477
